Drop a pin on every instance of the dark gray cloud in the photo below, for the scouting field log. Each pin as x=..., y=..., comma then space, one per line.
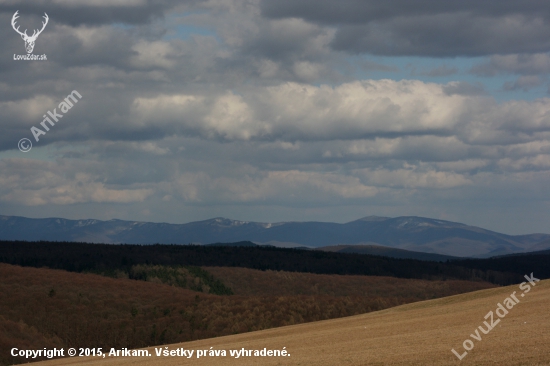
x=524, y=83
x=362, y=11
x=426, y=28
x=464, y=88
x=76, y=13
x=439, y=71
x=445, y=35
x=522, y=64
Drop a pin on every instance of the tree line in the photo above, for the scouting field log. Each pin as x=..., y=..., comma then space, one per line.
x=85, y=257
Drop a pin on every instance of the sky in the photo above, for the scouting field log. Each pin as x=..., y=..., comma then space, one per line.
x=278, y=110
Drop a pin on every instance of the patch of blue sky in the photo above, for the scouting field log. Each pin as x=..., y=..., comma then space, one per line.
x=124, y=26
x=42, y=153
x=186, y=31
x=184, y=26
x=442, y=71
x=49, y=153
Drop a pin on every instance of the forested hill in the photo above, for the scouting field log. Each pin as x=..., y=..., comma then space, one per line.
x=82, y=257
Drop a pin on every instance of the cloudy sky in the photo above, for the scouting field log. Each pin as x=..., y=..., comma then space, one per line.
x=280, y=110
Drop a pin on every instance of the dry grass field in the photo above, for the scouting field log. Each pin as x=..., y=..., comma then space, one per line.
x=421, y=333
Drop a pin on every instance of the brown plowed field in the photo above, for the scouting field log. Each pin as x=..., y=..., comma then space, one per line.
x=421, y=333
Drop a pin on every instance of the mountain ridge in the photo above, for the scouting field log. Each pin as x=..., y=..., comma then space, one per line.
x=413, y=233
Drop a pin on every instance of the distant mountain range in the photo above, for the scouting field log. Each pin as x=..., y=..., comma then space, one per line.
x=408, y=233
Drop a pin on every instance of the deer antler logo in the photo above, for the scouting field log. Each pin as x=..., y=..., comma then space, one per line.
x=29, y=41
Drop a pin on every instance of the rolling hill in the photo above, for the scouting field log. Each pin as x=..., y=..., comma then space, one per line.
x=421, y=333
x=42, y=307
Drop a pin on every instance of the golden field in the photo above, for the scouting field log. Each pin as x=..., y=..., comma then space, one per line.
x=420, y=333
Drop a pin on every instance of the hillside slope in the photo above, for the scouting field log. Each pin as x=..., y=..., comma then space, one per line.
x=252, y=282
x=387, y=252
x=42, y=307
x=422, y=333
